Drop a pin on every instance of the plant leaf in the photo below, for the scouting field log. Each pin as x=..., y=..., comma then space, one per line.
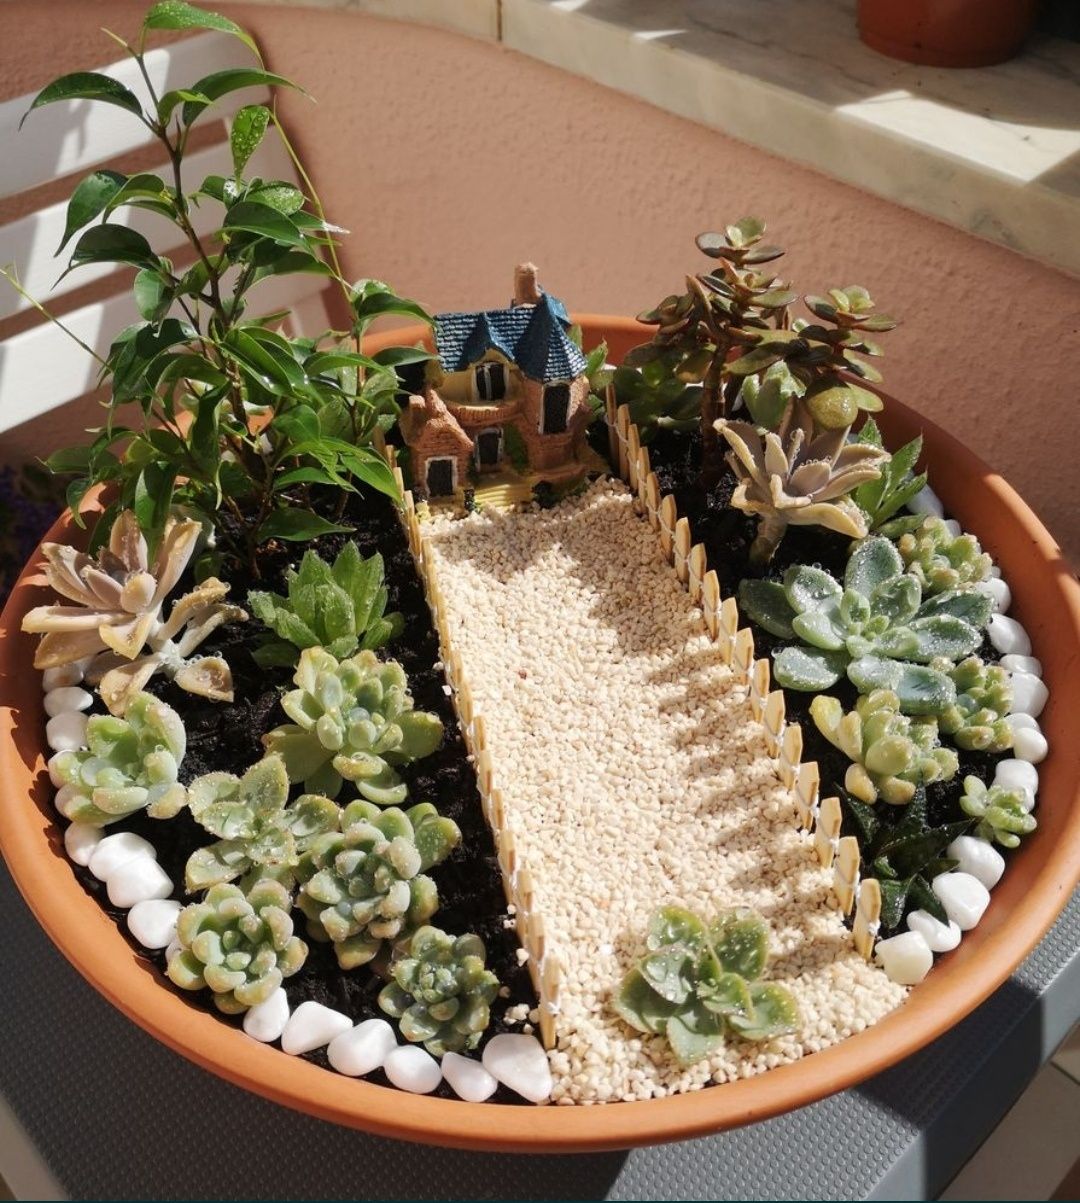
x=176, y=14
x=86, y=85
x=247, y=131
x=292, y=523
x=89, y=199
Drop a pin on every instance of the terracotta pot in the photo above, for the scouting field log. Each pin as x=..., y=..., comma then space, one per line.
x=947, y=33
x=1036, y=885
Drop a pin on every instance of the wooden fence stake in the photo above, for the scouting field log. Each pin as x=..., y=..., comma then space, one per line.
x=846, y=873
x=613, y=434
x=633, y=449
x=867, y=917
x=696, y=571
x=827, y=830
x=652, y=500
x=668, y=519
x=712, y=609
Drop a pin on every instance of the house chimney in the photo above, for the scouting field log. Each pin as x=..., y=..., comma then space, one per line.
x=526, y=289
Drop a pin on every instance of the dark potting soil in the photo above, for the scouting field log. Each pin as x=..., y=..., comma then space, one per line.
x=228, y=737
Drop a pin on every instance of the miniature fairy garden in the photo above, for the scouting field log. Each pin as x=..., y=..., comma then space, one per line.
x=490, y=721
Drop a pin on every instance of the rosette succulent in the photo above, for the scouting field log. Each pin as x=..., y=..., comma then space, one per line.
x=130, y=764
x=1001, y=813
x=697, y=983
x=240, y=946
x=976, y=720
x=441, y=992
x=941, y=561
x=875, y=627
x=891, y=754
x=367, y=883
x=256, y=828
x=898, y=483
x=352, y=720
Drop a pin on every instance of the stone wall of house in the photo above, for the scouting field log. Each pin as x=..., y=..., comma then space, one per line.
x=553, y=450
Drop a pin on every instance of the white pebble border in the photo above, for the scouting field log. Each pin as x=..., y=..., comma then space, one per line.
x=634, y=775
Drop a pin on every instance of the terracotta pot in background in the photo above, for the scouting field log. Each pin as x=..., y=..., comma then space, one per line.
x=947, y=33
x=1040, y=877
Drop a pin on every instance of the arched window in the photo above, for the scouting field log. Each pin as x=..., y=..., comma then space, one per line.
x=491, y=381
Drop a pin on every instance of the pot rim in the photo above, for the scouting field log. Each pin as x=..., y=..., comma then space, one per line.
x=1023, y=906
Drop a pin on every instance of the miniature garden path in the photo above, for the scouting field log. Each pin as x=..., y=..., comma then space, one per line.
x=633, y=776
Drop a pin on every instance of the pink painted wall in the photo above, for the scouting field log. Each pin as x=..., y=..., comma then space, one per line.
x=450, y=160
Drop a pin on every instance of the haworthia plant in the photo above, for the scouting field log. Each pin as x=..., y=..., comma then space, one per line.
x=881, y=499
x=940, y=560
x=697, y=983
x=976, y=721
x=1002, y=816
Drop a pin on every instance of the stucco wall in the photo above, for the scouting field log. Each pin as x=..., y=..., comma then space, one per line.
x=450, y=160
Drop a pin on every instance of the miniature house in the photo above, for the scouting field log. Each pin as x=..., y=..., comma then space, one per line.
x=509, y=390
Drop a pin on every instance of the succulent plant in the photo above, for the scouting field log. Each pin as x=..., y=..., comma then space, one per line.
x=256, y=828
x=339, y=608
x=366, y=884
x=875, y=627
x=976, y=720
x=891, y=753
x=441, y=990
x=131, y=764
x=881, y=499
x=696, y=983
x=353, y=720
x=793, y=478
x=1001, y=814
x=241, y=946
x=117, y=616
x=941, y=561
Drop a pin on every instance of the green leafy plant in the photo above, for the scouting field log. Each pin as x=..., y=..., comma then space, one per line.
x=875, y=627
x=976, y=720
x=204, y=358
x=897, y=484
x=697, y=983
x=130, y=764
x=340, y=608
x=1001, y=814
x=258, y=831
x=941, y=561
x=891, y=754
x=441, y=990
x=367, y=883
x=240, y=946
x=656, y=398
x=352, y=720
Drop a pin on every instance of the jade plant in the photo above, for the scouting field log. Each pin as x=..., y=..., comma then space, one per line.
x=354, y=721
x=441, y=990
x=340, y=608
x=259, y=832
x=890, y=753
x=239, y=945
x=976, y=721
x=875, y=627
x=697, y=983
x=1002, y=816
x=367, y=884
x=205, y=355
x=881, y=499
x=117, y=618
x=799, y=479
x=130, y=764
x=941, y=561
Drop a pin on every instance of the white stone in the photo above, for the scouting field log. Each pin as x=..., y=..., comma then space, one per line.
x=311, y=1026
x=1021, y=775
x=1008, y=636
x=153, y=921
x=66, y=732
x=468, y=1078
x=116, y=850
x=54, y=776
x=995, y=570
x=964, y=897
x=363, y=1048
x=266, y=1020
x=412, y=1069
x=997, y=591
x=1022, y=664
x=138, y=880
x=520, y=1063
x=926, y=501
x=62, y=675
x=906, y=958
x=1029, y=694
x=954, y=528
x=1030, y=746
x=66, y=797
x=81, y=840
x=940, y=937
x=1022, y=722
x=65, y=698
x=979, y=858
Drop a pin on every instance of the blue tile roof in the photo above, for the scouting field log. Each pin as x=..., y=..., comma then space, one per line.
x=532, y=336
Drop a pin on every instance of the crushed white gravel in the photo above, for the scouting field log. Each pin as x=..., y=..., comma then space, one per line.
x=634, y=776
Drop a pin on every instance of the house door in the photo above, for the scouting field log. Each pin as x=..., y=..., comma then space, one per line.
x=556, y=408
x=488, y=448
x=440, y=476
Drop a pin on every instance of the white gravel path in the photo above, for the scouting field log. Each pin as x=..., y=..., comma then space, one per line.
x=634, y=776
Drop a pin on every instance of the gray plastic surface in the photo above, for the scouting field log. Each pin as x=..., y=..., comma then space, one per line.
x=117, y=1115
